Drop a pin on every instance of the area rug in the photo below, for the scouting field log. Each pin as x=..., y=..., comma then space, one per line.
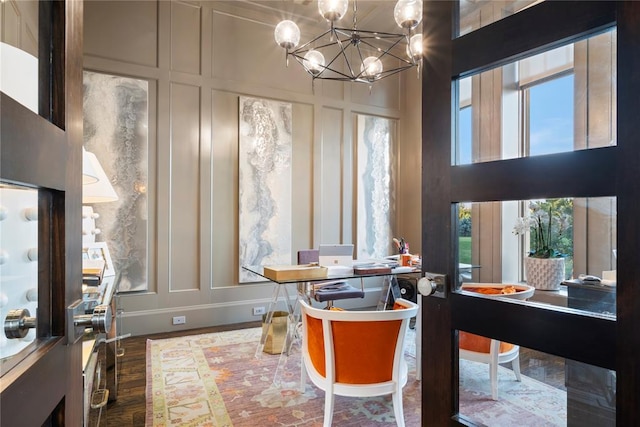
x=215, y=380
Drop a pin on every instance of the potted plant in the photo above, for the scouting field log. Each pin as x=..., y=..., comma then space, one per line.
x=547, y=222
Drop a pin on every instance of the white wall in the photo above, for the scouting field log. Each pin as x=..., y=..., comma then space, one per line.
x=199, y=57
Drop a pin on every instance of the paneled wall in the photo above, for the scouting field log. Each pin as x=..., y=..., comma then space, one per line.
x=199, y=58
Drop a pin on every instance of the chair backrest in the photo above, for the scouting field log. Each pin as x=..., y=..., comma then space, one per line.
x=480, y=344
x=356, y=347
x=308, y=256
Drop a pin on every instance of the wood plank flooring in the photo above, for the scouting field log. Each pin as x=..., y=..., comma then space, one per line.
x=129, y=409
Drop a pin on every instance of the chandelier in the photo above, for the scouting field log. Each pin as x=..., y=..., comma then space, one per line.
x=352, y=54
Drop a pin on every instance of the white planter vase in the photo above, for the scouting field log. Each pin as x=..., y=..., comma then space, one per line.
x=544, y=273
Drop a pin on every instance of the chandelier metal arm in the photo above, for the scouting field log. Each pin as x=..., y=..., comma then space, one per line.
x=388, y=51
x=345, y=47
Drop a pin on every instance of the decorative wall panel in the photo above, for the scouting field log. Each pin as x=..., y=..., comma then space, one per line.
x=265, y=150
x=376, y=185
x=115, y=130
x=185, y=200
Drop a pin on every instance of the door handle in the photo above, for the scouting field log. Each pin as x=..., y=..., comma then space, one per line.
x=100, y=320
x=432, y=284
x=19, y=321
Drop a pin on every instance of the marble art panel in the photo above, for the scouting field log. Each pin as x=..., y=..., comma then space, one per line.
x=265, y=151
x=376, y=175
x=115, y=130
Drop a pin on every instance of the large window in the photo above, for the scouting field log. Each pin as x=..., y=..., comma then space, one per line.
x=549, y=115
x=559, y=101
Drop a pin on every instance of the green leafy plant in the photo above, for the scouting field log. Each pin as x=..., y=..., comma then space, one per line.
x=547, y=223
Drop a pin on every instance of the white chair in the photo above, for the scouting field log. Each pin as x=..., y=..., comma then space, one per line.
x=356, y=353
x=482, y=349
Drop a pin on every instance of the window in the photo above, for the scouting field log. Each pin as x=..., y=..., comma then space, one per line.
x=549, y=116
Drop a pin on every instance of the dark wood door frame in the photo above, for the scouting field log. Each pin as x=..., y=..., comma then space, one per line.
x=592, y=339
x=45, y=387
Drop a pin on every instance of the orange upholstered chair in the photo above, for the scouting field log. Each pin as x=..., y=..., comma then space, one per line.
x=487, y=350
x=356, y=353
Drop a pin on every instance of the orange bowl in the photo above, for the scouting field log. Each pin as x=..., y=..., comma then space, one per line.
x=509, y=290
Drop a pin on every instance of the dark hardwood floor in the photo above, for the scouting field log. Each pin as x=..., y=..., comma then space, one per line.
x=129, y=408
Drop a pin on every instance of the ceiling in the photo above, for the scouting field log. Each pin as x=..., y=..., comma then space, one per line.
x=374, y=15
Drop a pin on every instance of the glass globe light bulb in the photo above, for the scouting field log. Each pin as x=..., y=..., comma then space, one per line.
x=333, y=10
x=414, y=48
x=371, y=67
x=314, y=62
x=408, y=13
x=287, y=34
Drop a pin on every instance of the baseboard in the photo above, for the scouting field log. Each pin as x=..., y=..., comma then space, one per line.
x=205, y=315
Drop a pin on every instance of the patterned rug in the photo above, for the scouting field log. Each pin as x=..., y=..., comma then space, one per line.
x=214, y=380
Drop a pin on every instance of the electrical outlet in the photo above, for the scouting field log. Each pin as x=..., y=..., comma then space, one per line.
x=179, y=320
x=259, y=311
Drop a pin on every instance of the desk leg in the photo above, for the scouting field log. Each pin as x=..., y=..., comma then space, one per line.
x=293, y=335
x=419, y=339
x=268, y=319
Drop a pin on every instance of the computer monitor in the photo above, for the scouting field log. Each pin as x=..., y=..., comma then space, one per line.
x=336, y=254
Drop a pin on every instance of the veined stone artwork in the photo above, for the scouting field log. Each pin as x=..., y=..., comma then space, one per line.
x=265, y=153
x=115, y=111
x=376, y=181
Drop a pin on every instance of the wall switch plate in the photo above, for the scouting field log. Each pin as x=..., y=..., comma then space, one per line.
x=179, y=320
x=259, y=311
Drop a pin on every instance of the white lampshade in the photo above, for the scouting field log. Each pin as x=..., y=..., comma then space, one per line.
x=89, y=174
x=287, y=34
x=408, y=13
x=314, y=61
x=101, y=190
x=333, y=10
x=371, y=67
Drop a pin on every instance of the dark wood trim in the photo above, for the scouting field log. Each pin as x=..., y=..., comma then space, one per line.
x=593, y=337
x=45, y=260
x=44, y=167
x=51, y=239
x=52, y=62
x=69, y=92
x=608, y=171
x=439, y=403
x=539, y=28
x=45, y=366
x=583, y=173
x=60, y=43
x=44, y=53
x=628, y=239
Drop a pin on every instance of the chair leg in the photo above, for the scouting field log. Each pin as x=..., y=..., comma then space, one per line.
x=493, y=375
x=398, y=410
x=303, y=376
x=328, y=408
x=515, y=364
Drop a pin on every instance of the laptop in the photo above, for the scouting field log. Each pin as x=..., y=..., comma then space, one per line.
x=331, y=255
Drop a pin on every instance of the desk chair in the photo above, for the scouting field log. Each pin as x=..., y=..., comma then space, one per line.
x=330, y=291
x=356, y=353
x=486, y=350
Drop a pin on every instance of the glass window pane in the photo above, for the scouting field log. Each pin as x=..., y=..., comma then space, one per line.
x=19, y=51
x=477, y=14
x=558, y=101
x=18, y=268
x=550, y=116
x=558, y=391
x=553, y=257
